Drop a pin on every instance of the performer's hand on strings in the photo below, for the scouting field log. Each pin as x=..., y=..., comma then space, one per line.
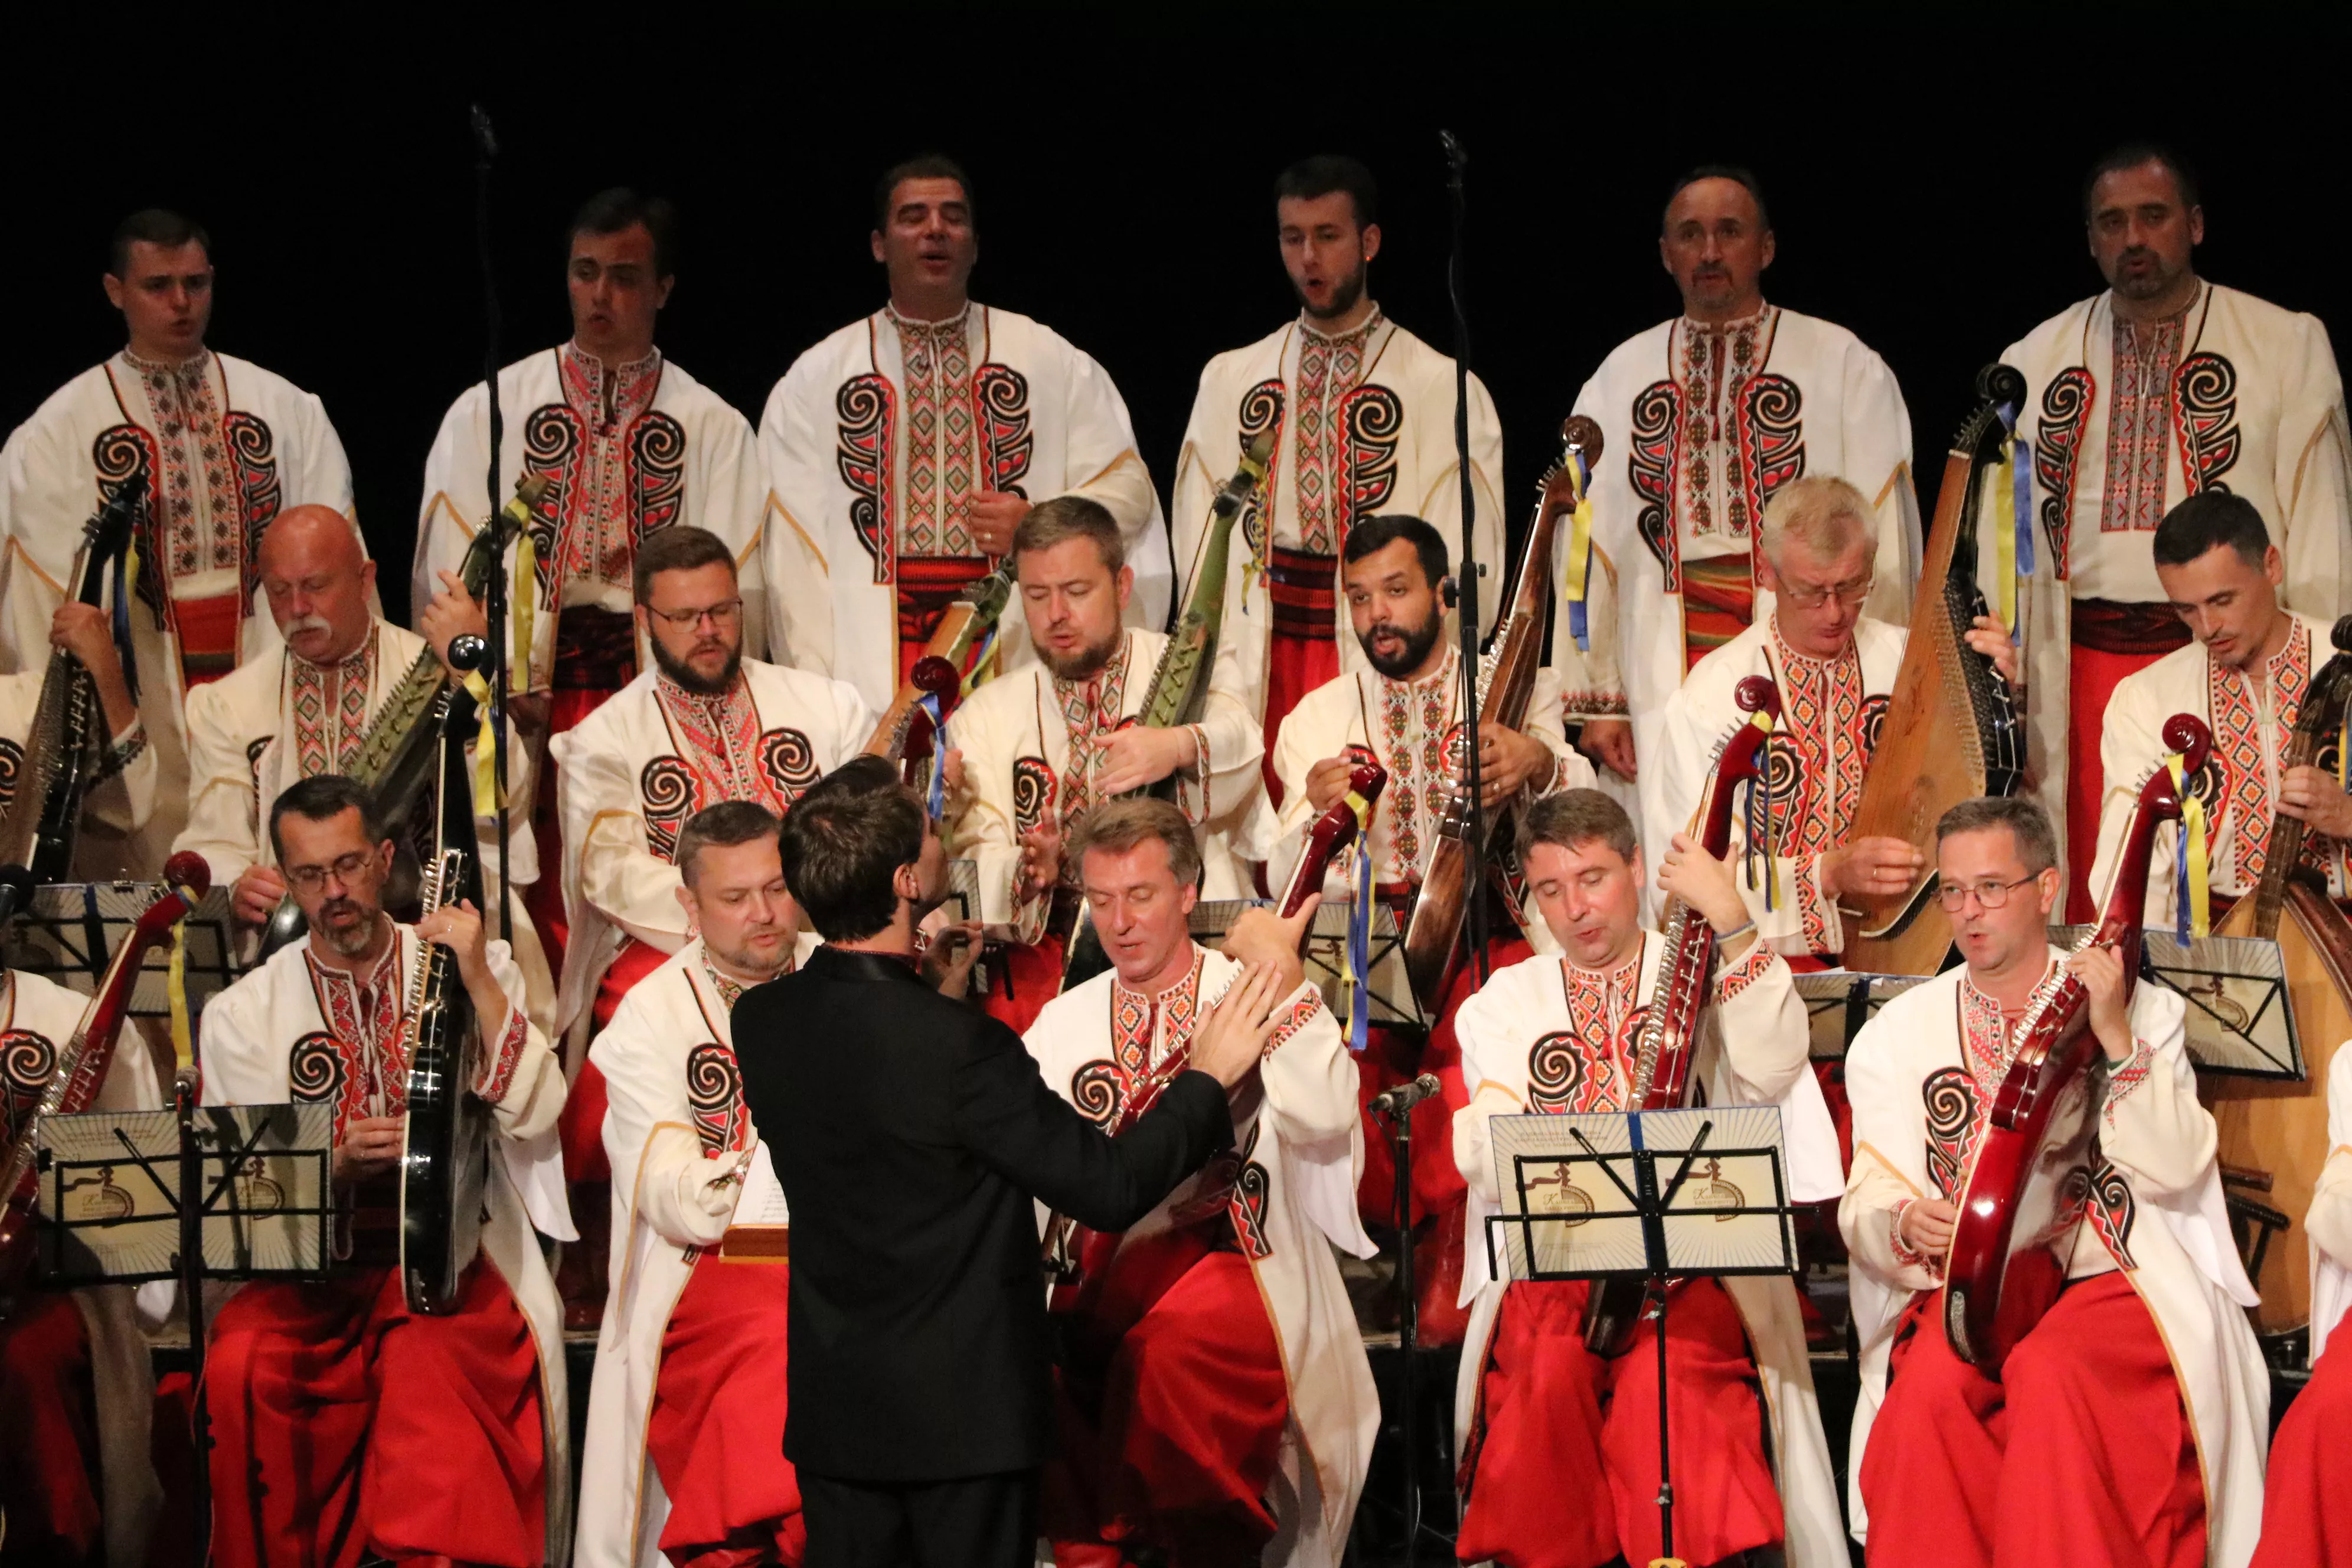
x=459, y=928
x=1873, y=868
x=2101, y=971
x=1926, y=1226
x=1508, y=760
x=259, y=891
x=994, y=515
x=85, y=632
x=1990, y=638
x=371, y=1146
x=1264, y=937
x=1230, y=1043
x=1689, y=873
x=1327, y=780
x=452, y=614
x=2313, y=795
x=1136, y=756
x=1041, y=862
x=1610, y=742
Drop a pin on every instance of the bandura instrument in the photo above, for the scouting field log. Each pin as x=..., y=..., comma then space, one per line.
x=1952, y=731
x=2021, y=1207
x=1507, y=683
x=445, y=1149
x=397, y=754
x=2273, y=1133
x=906, y=729
x=1668, y=1041
x=65, y=751
x=82, y=1061
x=1078, y=1258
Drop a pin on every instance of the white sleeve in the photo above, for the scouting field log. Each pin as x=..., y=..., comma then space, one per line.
x=686, y=1196
x=793, y=454
x=1878, y=460
x=223, y=805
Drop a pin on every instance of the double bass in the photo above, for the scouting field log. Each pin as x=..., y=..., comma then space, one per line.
x=1952, y=731
x=1668, y=1042
x=1076, y=1258
x=1506, y=684
x=2021, y=1210
x=2272, y=1132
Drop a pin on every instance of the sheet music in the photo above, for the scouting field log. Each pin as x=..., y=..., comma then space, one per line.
x=762, y=1199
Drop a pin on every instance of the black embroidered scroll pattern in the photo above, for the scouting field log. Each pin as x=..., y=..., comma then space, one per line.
x=1094, y=1090
x=1951, y=1097
x=2057, y=449
x=667, y=789
x=26, y=1060
x=2205, y=418
x=1000, y=396
x=254, y=452
x=2111, y=1209
x=1649, y=459
x=1772, y=442
x=1033, y=795
x=551, y=438
x=1873, y=722
x=1252, y=1187
x=864, y=406
x=789, y=762
x=1261, y=412
x=121, y=452
x=12, y=768
x=656, y=473
x=1373, y=419
x=1556, y=1067
x=254, y=751
x=714, y=1097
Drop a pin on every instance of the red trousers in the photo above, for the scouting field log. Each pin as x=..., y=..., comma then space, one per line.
x=1561, y=1467
x=2081, y=1453
x=1295, y=666
x=2092, y=678
x=1172, y=1415
x=49, y=1435
x=344, y=1425
x=715, y=1434
x=2307, y=1507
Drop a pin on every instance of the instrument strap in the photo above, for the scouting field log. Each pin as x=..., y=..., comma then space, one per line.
x=2013, y=546
x=2192, y=902
x=973, y=676
x=176, y=991
x=1579, y=551
x=936, y=802
x=486, y=740
x=523, y=605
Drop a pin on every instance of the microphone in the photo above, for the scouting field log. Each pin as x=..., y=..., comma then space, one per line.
x=16, y=892
x=1401, y=1100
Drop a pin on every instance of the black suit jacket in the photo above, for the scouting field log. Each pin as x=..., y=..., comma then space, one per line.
x=911, y=1134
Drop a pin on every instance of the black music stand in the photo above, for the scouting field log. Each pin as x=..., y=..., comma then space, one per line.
x=70, y=933
x=1598, y=1196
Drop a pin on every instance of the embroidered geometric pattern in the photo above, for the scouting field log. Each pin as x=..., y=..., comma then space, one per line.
x=1817, y=760
x=722, y=754
x=865, y=407
x=714, y=1097
x=1145, y=1029
x=2247, y=810
x=1589, y=1065
x=1416, y=721
x=2111, y=1208
x=193, y=452
x=604, y=515
x=1955, y=1110
x=363, y=1023
x=328, y=731
x=1652, y=462
x=501, y=1057
x=1329, y=370
x=2139, y=424
x=2205, y=418
x=1741, y=976
x=939, y=436
x=1090, y=711
x=1722, y=483
x=2122, y=1081
x=2057, y=449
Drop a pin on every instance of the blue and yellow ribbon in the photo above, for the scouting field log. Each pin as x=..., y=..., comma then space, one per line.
x=2013, y=546
x=1360, y=930
x=2193, y=904
x=1579, y=562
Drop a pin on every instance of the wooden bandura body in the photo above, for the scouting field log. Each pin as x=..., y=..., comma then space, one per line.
x=906, y=731
x=1951, y=732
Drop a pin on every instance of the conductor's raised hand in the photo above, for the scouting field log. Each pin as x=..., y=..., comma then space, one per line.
x=1231, y=1042
x=1263, y=937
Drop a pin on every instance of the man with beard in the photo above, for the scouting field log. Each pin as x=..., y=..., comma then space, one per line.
x=2161, y=387
x=2245, y=670
x=1362, y=414
x=343, y=1423
x=1703, y=418
x=1035, y=749
x=223, y=447
x=903, y=450
x=1402, y=711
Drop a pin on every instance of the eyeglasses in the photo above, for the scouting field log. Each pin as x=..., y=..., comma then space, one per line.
x=1806, y=598
x=725, y=614
x=346, y=869
x=1989, y=895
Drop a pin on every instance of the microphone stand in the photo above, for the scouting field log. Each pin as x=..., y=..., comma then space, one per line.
x=1474, y=817
x=494, y=596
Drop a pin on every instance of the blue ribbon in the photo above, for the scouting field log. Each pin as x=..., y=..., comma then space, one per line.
x=1359, y=950
x=930, y=705
x=2021, y=504
x=2180, y=909
x=122, y=622
x=1576, y=607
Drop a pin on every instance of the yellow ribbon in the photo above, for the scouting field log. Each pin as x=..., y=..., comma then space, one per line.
x=2003, y=482
x=175, y=987
x=486, y=740
x=522, y=603
x=2193, y=849
x=1579, y=534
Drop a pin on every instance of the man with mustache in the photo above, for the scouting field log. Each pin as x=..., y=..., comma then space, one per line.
x=343, y=1424
x=1362, y=416
x=2245, y=670
x=1036, y=749
x=2127, y=1425
x=1704, y=417
x=1402, y=711
x=2160, y=387
x=903, y=450
x=223, y=447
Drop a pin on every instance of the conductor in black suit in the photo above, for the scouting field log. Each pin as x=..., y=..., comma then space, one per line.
x=911, y=1134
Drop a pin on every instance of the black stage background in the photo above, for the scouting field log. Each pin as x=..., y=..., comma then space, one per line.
x=1923, y=189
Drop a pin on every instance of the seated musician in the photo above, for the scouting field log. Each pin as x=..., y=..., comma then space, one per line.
x=2127, y=1425
x=1559, y=1443
x=122, y=795
x=2306, y=1512
x=341, y=1421
x=1834, y=667
x=1215, y=1386
x=75, y=1386
x=2243, y=672
x=1039, y=745
x=1402, y=713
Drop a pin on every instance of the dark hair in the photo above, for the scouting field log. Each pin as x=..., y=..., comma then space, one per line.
x=1117, y=827
x=158, y=226
x=1329, y=172
x=2028, y=824
x=677, y=548
x=922, y=166
x=1745, y=178
x=843, y=843
x=1575, y=816
x=1380, y=532
x=1065, y=517
x=2207, y=519
x=609, y=212
x=323, y=797
x=723, y=826
x=2131, y=155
